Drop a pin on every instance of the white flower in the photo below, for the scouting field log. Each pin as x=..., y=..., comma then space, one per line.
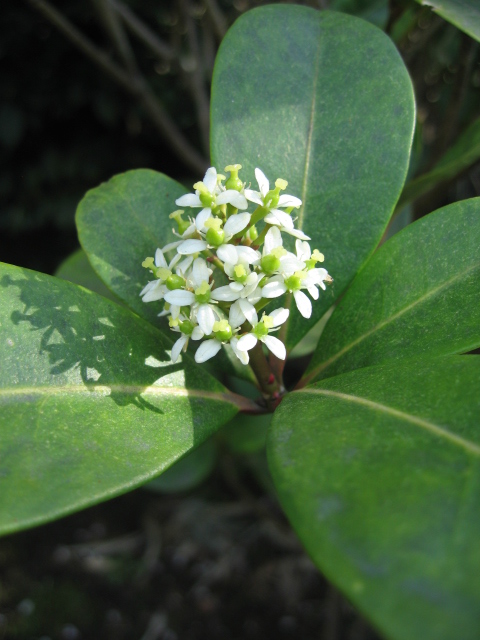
x=223, y=333
x=188, y=330
x=208, y=195
x=308, y=279
x=260, y=331
x=156, y=289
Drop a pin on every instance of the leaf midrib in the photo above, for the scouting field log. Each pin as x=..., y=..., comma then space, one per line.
x=439, y=431
x=326, y=363
x=106, y=390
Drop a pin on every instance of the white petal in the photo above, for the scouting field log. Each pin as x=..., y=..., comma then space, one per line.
x=273, y=289
x=233, y=197
x=246, y=342
x=228, y=253
x=313, y=291
x=187, y=247
x=224, y=294
x=180, y=297
x=178, y=346
x=236, y=286
x=289, y=201
x=202, y=217
x=249, y=311
x=207, y=350
x=189, y=231
x=241, y=355
x=279, y=217
x=189, y=200
x=303, y=303
x=247, y=254
x=205, y=319
x=197, y=334
x=150, y=285
x=254, y=196
x=236, y=223
x=183, y=266
x=279, y=316
x=276, y=346
x=155, y=293
x=236, y=316
x=262, y=182
x=160, y=259
x=174, y=261
x=289, y=264
x=174, y=311
x=200, y=272
x=303, y=250
x=210, y=179
x=273, y=239
x=296, y=233
x=171, y=245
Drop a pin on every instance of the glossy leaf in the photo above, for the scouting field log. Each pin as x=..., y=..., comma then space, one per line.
x=379, y=473
x=91, y=404
x=77, y=269
x=459, y=157
x=323, y=100
x=464, y=14
x=418, y=294
x=123, y=221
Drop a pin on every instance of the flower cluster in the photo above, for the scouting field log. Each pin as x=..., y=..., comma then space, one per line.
x=221, y=244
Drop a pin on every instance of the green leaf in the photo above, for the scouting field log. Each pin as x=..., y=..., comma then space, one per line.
x=123, y=221
x=464, y=14
x=459, y=157
x=91, y=404
x=379, y=473
x=418, y=295
x=188, y=472
x=77, y=269
x=323, y=100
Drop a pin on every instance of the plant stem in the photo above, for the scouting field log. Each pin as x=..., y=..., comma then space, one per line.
x=272, y=388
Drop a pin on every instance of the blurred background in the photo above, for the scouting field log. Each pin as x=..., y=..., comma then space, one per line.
x=91, y=89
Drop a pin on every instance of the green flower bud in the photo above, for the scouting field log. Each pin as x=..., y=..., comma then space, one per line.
x=253, y=233
x=175, y=282
x=222, y=330
x=202, y=293
x=269, y=264
x=187, y=327
x=215, y=237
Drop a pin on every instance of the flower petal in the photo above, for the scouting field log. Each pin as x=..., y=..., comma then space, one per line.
x=236, y=223
x=200, y=272
x=228, y=253
x=247, y=254
x=276, y=346
x=279, y=316
x=236, y=316
x=296, y=233
x=178, y=346
x=180, y=297
x=233, y=197
x=187, y=247
x=254, y=196
x=246, y=342
x=171, y=245
x=197, y=334
x=205, y=318
x=279, y=217
x=236, y=286
x=303, y=303
x=224, y=294
x=241, y=355
x=210, y=179
x=248, y=311
x=273, y=239
x=160, y=259
x=189, y=200
x=273, y=289
x=207, y=350
x=289, y=201
x=202, y=217
x=262, y=180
